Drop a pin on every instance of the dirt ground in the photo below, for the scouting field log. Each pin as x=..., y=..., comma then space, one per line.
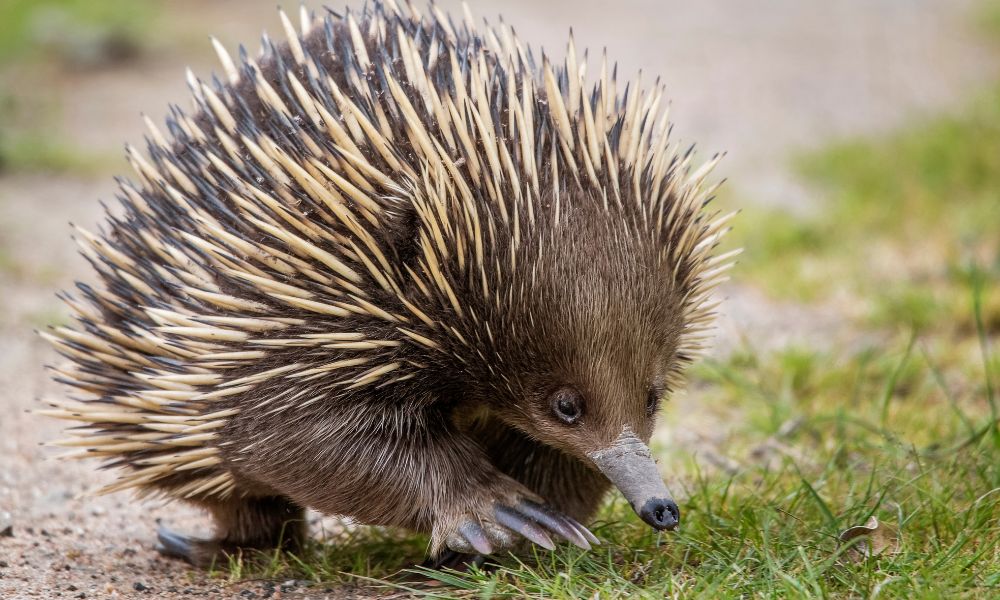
x=760, y=80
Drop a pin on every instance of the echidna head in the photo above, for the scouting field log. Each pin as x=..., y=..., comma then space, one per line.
x=592, y=346
x=570, y=273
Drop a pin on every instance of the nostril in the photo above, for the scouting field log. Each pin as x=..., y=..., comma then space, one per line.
x=673, y=511
x=661, y=513
x=658, y=513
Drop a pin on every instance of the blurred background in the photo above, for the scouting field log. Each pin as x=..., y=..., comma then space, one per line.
x=863, y=141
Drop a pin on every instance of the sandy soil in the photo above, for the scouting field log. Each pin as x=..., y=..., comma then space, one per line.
x=758, y=79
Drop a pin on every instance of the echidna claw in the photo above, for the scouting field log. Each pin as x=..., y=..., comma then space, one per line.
x=171, y=543
x=474, y=534
x=563, y=525
x=584, y=532
x=539, y=516
x=515, y=521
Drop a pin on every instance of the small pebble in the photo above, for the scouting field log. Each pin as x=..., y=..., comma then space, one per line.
x=139, y=587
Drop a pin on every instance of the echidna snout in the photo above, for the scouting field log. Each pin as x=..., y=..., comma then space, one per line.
x=661, y=513
x=629, y=465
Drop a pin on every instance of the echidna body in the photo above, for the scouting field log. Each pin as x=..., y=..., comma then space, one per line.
x=394, y=269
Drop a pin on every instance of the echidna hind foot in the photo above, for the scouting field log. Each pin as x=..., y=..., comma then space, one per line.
x=247, y=524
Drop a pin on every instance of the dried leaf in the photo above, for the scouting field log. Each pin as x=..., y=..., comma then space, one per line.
x=877, y=538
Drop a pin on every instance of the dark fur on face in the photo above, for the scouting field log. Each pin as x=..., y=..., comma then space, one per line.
x=597, y=314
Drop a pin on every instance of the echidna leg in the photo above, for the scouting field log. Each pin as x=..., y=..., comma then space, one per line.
x=405, y=467
x=567, y=484
x=243, y=524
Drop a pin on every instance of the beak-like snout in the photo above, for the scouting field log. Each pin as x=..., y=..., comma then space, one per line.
x=660, y=513
x=630, y=467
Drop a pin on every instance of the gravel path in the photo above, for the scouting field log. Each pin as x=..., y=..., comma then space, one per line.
x=758, y=79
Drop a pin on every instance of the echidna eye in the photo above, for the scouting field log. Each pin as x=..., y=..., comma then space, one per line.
x=567, y=404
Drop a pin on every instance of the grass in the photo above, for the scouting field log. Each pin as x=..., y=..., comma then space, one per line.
x=911, y=225
x=36, y=151
x=29, y=142
x=988, y=18
x=72, y=31
x=40, y=41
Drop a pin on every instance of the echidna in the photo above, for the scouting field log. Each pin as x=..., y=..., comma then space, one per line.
x=396, y=270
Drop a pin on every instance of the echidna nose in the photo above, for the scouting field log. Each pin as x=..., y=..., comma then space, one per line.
x=661, y=513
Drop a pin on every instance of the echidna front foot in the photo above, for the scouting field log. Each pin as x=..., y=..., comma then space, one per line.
x=499, y=524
